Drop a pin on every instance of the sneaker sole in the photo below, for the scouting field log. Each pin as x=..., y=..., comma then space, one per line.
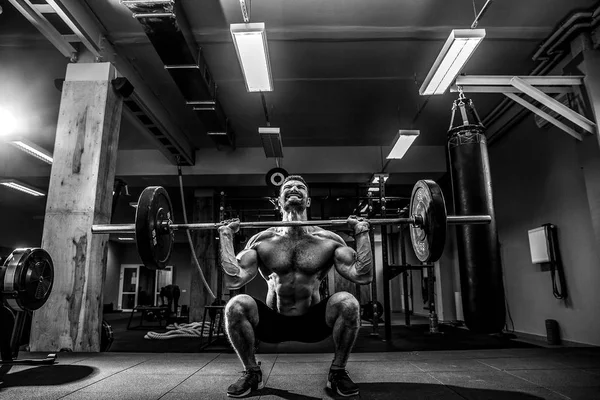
x=340, y=393
x=247, y=392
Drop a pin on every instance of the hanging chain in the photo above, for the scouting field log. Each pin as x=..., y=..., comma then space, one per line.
x=245, y=5
x=461, y=93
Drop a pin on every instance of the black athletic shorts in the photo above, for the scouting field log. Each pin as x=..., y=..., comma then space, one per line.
x=308, y=328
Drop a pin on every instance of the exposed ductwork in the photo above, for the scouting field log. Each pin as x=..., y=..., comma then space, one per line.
x=167, y=28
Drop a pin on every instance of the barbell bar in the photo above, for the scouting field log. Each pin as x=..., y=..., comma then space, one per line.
x=415, y=220
x=154, y=228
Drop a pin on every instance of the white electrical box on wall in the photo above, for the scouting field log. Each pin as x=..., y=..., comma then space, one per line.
x=538, y=245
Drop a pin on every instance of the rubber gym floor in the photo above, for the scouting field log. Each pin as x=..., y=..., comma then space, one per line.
x=515, y=374
x=518, y=371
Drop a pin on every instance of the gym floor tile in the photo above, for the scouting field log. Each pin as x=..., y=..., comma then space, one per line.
x=532, y=363
x=311, y=357
x=168, y=367
x=442, y=354
x=295, y=387
x=128, y=395
x=233, y=357
x=477, y=379
x=580, y=361
x=125, y=382
x=316, y=368
x=450, y=365
x=119, y=365
x=530, y=352
x=21, y=393
x=374, y=376
x=230, y=368
x=202, y=385
x=203, y=395
x=595, y=371
x=559, y=377
x=186, y=357
x=578, y=393
x=385, y=357
x=388, y=367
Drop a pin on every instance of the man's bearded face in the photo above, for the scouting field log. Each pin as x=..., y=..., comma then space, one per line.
x=294, y=195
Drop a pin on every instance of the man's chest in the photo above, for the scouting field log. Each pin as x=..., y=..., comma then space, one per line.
x=306, y=253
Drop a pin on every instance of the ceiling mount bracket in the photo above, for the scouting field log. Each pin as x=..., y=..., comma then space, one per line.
x=537, y=88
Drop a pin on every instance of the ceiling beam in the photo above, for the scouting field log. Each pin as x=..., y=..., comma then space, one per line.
x=543, y=114
x=554, y=105
x=37, y=19
x=77, y=15
x=508, y=89
x=506, y=80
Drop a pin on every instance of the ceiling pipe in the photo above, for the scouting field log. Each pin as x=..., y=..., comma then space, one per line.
x=549, y=57
x=578, y=21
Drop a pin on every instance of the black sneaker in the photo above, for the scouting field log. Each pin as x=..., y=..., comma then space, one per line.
x=339, y=381
x=251, y=380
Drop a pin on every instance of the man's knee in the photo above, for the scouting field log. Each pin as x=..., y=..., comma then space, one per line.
x=346, y=307
x=239, y=308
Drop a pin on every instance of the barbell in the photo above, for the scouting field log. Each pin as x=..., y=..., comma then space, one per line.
x=154, y=228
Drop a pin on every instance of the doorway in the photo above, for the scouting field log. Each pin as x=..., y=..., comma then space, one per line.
x=140, y=286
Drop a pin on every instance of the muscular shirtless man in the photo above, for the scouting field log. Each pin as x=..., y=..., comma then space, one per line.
x=294, y=260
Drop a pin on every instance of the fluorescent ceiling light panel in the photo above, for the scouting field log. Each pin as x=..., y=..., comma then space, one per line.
x=457, y=50
x=126, y=239
x=22, y=187
x=373, y=189
x=33, y=149
x=404, y=139
x=271, y=141
x=250, y=42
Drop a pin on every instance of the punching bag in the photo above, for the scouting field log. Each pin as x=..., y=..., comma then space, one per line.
x=478, y=248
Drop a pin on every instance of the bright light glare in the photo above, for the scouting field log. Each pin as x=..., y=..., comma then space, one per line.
x=250, y=42
x=8, y=123
x=404, y=140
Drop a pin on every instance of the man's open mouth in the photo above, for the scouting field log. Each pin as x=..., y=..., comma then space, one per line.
x=298, y=196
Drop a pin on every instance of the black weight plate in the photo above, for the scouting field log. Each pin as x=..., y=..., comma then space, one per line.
x=275, y=177
x=154, y=242
x=27, y=279
x=428, y=240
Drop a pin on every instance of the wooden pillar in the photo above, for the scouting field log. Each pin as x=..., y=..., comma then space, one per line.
x=79, y=196
x=205, y=247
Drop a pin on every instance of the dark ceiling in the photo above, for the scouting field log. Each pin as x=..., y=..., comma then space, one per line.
x=346, y=72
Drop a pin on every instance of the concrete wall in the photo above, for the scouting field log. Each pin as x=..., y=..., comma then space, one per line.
x=538, y=177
